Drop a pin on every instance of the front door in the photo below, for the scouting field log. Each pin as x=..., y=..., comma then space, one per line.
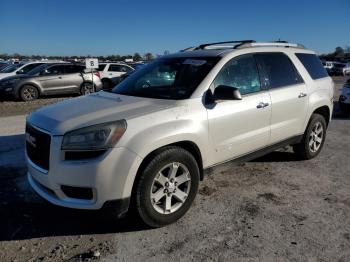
x=238, y=127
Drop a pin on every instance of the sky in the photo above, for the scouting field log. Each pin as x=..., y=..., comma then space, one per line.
x=104, y=27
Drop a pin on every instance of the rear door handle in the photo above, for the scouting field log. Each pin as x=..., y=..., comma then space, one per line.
x=262, y=105
x=302, y=95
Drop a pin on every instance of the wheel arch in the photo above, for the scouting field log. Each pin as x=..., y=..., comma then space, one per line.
x=323, y=111
x=19, y=87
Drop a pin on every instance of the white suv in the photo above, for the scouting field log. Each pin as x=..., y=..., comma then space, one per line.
x=111, y=73
x=147, y=142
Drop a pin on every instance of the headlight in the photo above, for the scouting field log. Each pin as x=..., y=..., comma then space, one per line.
x=97, y=137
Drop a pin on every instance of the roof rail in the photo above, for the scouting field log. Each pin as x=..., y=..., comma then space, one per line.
x=236, y=42
x=276, y=43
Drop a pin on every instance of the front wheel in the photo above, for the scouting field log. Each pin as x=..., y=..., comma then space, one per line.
x=313, y=139
x=87, y=88
x=167, y=187
x=28, y=93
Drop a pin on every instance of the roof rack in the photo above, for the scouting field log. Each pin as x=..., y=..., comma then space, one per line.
x=243, y=44
x=236, y=42
x=275, y=43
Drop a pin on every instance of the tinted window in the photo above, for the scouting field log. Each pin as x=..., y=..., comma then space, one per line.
x=70, y=69
x=170, y=78
x=313, y=65
x=278, y=70
x=240, y=72
x=101, y=67
x=114, y=68
x=54, y=70
x=29, y=67
x=125, y=69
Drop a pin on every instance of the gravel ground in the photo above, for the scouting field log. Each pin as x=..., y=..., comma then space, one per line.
x=275, y=208
x=11, y=107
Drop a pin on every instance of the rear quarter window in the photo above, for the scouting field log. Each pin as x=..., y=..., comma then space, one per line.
x=313, y=65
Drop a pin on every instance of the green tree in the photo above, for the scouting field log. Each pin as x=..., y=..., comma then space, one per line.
x=148, y=56
x=137, y=57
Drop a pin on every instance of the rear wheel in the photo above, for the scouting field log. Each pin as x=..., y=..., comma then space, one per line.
x=167, y=187
x=28, y=93
x=313, y=139
x=87, y=88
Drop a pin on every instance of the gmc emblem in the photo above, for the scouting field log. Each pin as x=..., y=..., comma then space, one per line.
x=31, y=140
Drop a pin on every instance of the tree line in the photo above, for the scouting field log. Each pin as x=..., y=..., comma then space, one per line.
x=340, y=54
x=135, y=57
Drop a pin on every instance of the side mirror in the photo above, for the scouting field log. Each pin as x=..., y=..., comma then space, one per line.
x=227, y=93
x=19, y=72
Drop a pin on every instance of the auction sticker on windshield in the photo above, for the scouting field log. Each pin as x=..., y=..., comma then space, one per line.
x=194, y=62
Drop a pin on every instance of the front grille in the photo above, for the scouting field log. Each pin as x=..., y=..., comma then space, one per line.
x=38, y=147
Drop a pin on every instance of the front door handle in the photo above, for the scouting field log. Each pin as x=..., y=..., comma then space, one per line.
x=302, y=94
x=262, y=105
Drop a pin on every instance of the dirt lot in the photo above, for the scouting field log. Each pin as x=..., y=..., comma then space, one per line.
x=275, y=208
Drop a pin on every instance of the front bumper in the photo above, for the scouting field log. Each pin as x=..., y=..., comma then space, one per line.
x=110, y=177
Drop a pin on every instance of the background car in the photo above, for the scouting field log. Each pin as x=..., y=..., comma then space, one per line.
x=3, y=64
x=51, y=79
x=20, y=68
x=334, y=68
x=111, y=73
x=344, y=99
x=346, y=69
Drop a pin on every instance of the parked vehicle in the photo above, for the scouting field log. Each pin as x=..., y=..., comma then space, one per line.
x=20, y=68
x=3, y=65
x=51, y=79
x=111, y=73
x=148, y=141
x=346, y=69
x=344, y=98
x=335, y=68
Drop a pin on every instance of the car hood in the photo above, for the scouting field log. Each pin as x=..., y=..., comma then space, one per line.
x=4, y=75
x=93, y=109
x=14, y=77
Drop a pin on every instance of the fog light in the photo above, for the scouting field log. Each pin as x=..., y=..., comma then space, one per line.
x=8, y=89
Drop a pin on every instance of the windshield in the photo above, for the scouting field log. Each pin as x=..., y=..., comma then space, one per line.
x=169, y=78
x=10, y=68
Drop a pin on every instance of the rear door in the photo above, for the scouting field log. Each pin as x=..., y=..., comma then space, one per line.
x=238, y=127
x=73, y=77
x=51, y=79
x=288, y=92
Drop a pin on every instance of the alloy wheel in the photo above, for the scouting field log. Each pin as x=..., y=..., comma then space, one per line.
x=170, y=188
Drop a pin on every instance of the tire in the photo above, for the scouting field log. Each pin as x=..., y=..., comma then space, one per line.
x=87, y=88
x=154, y=189
x=313, y=139
x=28, y=93
x=107, y=84
x=345, y=108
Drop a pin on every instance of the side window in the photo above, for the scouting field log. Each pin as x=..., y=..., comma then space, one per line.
x=125, y=69
x=29, y=67
x=313, y=65
x=278, y=70
x=101, y=67
x=71, y=69
x=54, y=70
x=240, y=72
x=114, y=68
